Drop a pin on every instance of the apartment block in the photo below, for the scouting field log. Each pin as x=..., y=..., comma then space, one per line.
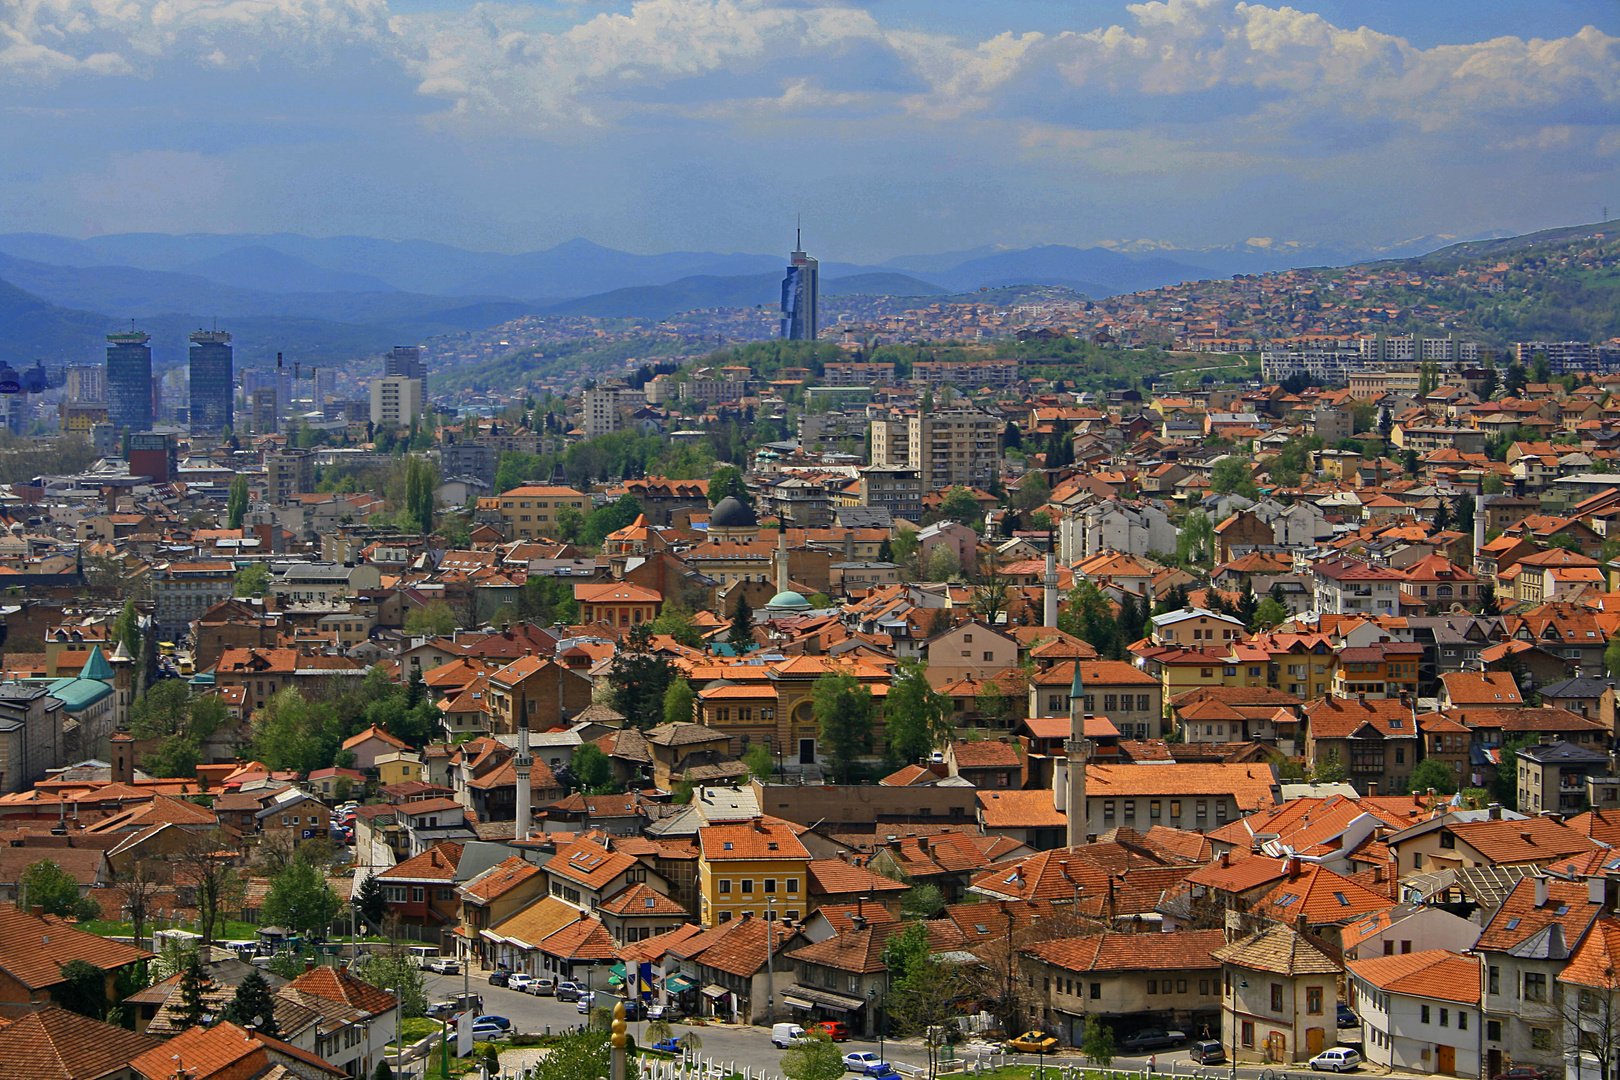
x=395, y=400
x=602, y=405
x=958, y=446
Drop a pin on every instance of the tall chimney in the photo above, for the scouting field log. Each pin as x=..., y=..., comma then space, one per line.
x=524, y=763
x=1049, y=581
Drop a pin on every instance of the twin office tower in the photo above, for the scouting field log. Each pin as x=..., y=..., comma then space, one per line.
x=132, y=393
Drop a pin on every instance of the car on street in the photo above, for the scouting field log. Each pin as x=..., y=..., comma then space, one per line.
x=569, y=991
x=1207, y=1052
x=499, y=978
x=1033, y=1042
x=1348, y=1018
x=786, y=1035
x=586, y=1000
x=664, y=1012
x=543, y=986
x=520, y=981
x=866, y=1063
x=836, y=1030
x=488, y=1026
x=670, y=1045
x=1154, y=1039
x=1338, y=1059
x=445, y=965
x=442, y=1010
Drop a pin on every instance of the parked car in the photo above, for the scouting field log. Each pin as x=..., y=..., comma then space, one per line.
x=867, y=1063
x=500, y=977
x=569, y=991
x=486, y=1027
x=836, y=1030
x=442, y=1010
x=543, y=986
x=1347, y=1018
x=1338, y=1059
x=586, y=1000
x=1207, y=1052
x=786, y=1035
x=671, y=1045
x=1033, y=1042
x=520, y=981
x=1154, y=1039
x=445, y=965
x=664, y=1012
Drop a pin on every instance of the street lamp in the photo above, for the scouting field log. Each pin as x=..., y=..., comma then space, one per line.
x=770, y=981
x=872, y=1006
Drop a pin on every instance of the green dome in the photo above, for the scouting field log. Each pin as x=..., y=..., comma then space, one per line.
x=787, y=598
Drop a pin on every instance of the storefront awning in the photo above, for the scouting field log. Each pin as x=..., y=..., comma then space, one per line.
x=678, y=984
x=617, y=970
x=713, y=991
x=795, y=1003
x=824, y=999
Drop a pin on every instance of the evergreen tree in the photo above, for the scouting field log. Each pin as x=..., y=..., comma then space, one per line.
x=679, y=702
x=1248, y=604
x=254, y=999
x=1132, y=619
x=1442, y=516
x=370, y=902
x=640, y=679
x=237, y=503
x=742, y=621
x=194, y=987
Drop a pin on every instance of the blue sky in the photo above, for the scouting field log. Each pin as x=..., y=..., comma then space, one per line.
x=893, y=126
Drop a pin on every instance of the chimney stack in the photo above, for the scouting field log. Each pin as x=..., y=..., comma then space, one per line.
x=1541, y=892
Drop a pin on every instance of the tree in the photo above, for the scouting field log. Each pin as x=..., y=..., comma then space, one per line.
x=676, y=622
x=1409, y=462
x=1091, y=618
x=1465, y=514
x=141, y=891
x=639, y=680
x=923, y=901
x=813, y=1058
x=843, y=710
x=570, y=522
x=1233, y=475
x=1098, y=1045
x=252, y=580
x=370, y=903
x=943, y=563
x=1442, y=516
x=924, y=993
x=1132, y=619
x=758, y=759
x=680, y=702
x=83, y=989
x=203, y=860
x=1487, y=601
x=1195, y=543
x=421, y=477
x=253, y=1005
x=742, y=622
x=728, y=480
x=1514, y=380
x=301, y=900
x=958, y=504
x=435, y=619
x=1492, y=485
x=591, y=769
x=991, y=592
x=384, y=1072
x=237, y=502
x=917, y=718
x=1432, y=773
x=398, y=974
x=46, y=885
x=193, y=989
x=1329, y=769
x=903, y=547
x=1268, y=614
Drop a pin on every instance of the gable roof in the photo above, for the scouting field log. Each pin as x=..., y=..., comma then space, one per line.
x=34, y=948
x=1181, y=950
x=55, y=1044
x=1281, y=950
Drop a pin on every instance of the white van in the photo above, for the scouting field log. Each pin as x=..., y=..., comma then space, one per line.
x=423, y=955
x=786, y=1035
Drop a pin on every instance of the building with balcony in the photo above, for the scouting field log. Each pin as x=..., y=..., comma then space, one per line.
x=1553, y=775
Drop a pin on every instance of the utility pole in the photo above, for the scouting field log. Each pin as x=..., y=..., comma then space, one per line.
x=770, y=985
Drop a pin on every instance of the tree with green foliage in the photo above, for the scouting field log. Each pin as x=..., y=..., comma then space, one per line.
x=1233, y=475
x=1442, y=515
x=1090, y=617
x=397, y=973
x=1492, y=485
x=609, y=519
x=1505, y=782
x=83, y=989
x=1432, y=773
x=421, y=477
x=301, y=900
x=1465, y=514
x=640, y=679
x=903, y=547
x=758, y=759
x=182, y=720
x=917, y=718
x=1195, y=541
x=370, y=903
x=943, y=563
x=1329, y=769
x=1409, y=462
x=843, y=711
x=676, y=622
x=814, y=1057
x=1268, y=615
x=1487, y=599
x=193, y=991
x=236, y=503
x=923, y=901
x=925, y=992
x=579, y=1055
x=742, y=622
x=1513, y=382
x=253, y=1005
x=384, y=1070
x=959, y=504
x=570, y=523
x=728, y=480
x=591, y=769
x=46, y=885
x=1098, y=1044
x=435, y=619
x=545, y=600
x=1611, y=658
x=252, y=580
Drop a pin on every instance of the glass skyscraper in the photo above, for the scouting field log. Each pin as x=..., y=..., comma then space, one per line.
x=213, y=381
x=799, y=290
x=129, y=381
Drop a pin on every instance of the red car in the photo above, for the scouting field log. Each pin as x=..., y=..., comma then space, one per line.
x=836, y=1030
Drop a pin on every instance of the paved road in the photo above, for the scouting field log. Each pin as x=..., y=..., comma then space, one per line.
x=752, y=1046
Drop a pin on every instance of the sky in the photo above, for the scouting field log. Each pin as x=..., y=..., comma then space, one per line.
x=891, y=126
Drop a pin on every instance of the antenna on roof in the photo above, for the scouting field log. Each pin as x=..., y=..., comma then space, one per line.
x=798, y=237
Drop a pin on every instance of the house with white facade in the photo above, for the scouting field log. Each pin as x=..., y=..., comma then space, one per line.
x=1407, y=928
x=1419, y=1011
x=1114, y=525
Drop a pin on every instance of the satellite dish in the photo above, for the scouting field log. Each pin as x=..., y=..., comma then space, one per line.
x=9, y=383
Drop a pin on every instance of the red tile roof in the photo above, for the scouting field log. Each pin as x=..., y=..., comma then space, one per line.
x=1182, y=950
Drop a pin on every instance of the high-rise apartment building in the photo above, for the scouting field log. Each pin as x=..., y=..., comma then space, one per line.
x=799, y=292
x=86, y=383
x=405, y=360
x=263, y=402
x=395, y=400
x=288, y=473
x=213, y=381
x=325, y=387
x=601, y=407
x=952, y=446
x=129, y=381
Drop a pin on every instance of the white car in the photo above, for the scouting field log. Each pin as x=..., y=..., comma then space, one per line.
x=1338, y=1059
x=445, y=965
x=520, y=981
x=861, y=1060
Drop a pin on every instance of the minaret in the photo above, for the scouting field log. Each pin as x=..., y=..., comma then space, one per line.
x=523, y=763
x=1078, y=749
x=1049, y=581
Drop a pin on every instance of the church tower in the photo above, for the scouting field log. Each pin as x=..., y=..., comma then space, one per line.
x=1078, y=749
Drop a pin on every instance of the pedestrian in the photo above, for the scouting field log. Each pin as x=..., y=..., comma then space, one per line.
x=1153, y=1063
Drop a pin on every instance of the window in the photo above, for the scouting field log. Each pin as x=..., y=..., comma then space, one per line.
x=1153, y=808
x=768, y=885
x=1181, y=986
x=1493, y=1030
x=1248, y=1034
x=1153, y=986
x=1175, y=808
x=1142, y=703
x=1110, y=702
x=1276, y=997
x=417, y=894
x=1108, y=810
x=1535, y=986
x=1448, y=841
x=1096, y=991
x=1462, y=1020
x=1203, y=987
x=1425, y=1014
x=1313, y=1000
x=746, y=885
x=1541, y=1038
x=725, y=886
x=792, y=885
x=1445, y=1017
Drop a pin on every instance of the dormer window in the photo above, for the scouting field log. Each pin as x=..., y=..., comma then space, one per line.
x=728, y=845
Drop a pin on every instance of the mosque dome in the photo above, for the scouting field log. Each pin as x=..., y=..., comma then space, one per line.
x=788, y=600
x=732, y=513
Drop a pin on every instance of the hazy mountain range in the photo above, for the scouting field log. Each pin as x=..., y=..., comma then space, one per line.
x=331, y=298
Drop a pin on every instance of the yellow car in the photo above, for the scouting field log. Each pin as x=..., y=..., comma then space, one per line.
x=1034, y=1042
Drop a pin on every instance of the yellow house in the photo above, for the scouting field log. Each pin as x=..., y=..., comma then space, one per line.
x=531, y=511
x=743, y=868
x=399, y=767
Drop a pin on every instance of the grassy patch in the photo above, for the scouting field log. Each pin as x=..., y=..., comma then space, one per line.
x=230, y=930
